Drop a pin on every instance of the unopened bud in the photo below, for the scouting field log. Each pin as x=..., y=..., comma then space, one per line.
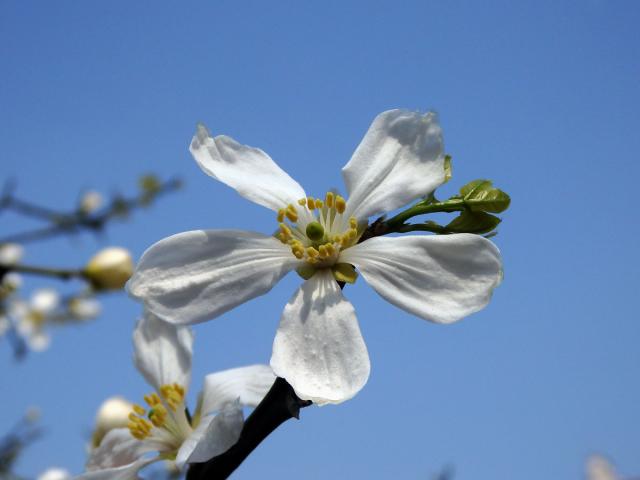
x=90, y=202
x=109, y=269
x=84, y=308
x=55, y=474
x=113, y=413
x=10, y=253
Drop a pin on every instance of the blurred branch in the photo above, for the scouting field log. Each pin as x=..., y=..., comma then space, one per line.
x=78, y=220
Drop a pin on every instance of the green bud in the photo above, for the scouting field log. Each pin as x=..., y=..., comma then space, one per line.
x=473, y=222
x=315, y=231
x=482, y=196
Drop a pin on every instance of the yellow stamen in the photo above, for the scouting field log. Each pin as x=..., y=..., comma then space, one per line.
x=341, y=204
x=302, y=202
x=139, y=409
x=311, y=203
x=319, y=203
x=292, y=213
x=328, y=199
x=281, y=214
x=353, y=223
x=312, y=252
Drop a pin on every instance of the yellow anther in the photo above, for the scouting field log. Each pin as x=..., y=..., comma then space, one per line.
x=284, y=229
x=353, y=223
x=302, y=202
x=292, y=213
x=282, y=237
x=311, y=203
x=319, y=203
x=139, y=409
x=328, y=199
x=152, y=399
x=158, y=415
x=133, y=417
x=312, y=252
x=331, y=250
x=322, y=249
x=297, y=253
x=341, y=204
x=281, y=214
x=353, y=233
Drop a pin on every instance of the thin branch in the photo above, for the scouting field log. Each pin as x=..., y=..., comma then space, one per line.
x=61, y=273
x=279, y=405
x=72, y=222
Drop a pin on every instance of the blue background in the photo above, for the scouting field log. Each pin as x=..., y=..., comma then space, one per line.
x=541, y=97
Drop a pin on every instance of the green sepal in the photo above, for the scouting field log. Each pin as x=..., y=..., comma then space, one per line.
x=306, y=271
x=344, y=272
x=482, y=196
x=473, y=222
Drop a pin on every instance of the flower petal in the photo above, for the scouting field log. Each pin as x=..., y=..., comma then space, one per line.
x=399, y=159
x=318, y=348
x=249, y=385
x=214, y=435
x=125, y=472
x=250, y=171
x=439, y=278
x=162, y=352
x=195, y=276
x=117, y=449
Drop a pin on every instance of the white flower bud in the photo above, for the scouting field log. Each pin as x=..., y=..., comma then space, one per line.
x=90, y=202
x=109, y=269
x=55, y=474
x=84, y=308
x=10, y=253
x=113, y=413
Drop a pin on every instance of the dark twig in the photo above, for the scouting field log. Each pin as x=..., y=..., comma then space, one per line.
x=71, y=222
x=279, y=405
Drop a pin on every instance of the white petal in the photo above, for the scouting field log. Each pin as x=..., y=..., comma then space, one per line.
x=117, y=449
x=214, y=435
x=250, y=171
x=45, y=300
x=162, y=352
x=249, y=385
x=124, y=472
x=399, y=159
x=318, y=348
x=195, y=276
x=441, y=278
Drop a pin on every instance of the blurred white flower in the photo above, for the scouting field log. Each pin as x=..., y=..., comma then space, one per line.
x=162, y=354
x=196, y=276
x=83, y=308
x=90, y=202
x=10, y=253
x=55, y=474
x=31, y=317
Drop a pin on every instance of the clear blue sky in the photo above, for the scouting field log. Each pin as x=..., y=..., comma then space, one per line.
x=541, y=97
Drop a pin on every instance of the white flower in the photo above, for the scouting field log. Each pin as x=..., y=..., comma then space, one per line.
x=10, y=253
x=195, y=276
x=55, y=474
x=84, y=308
x=31, y=317
x=162, y=354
